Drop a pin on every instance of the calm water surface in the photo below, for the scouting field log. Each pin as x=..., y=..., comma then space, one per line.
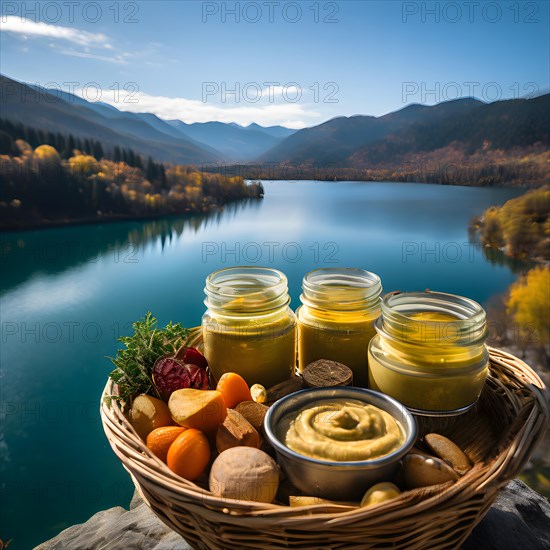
x=67, y=294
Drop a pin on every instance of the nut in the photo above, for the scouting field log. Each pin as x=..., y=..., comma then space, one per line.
x=448, y=451
x=258, y=393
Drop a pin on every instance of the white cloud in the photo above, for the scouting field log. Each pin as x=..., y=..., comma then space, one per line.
x=28, y=28
x=292, y=115
x=118, y=58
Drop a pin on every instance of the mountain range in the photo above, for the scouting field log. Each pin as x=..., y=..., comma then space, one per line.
x=237, y=143
x=169, y=141
x=366, y=141
x=357, y=141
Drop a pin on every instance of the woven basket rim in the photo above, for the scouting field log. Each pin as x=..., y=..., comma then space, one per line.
x=141, y=462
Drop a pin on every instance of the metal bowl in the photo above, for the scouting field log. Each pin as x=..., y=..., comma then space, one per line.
x=329, y=479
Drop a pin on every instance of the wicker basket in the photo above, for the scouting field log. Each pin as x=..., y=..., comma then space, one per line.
x=499, y=436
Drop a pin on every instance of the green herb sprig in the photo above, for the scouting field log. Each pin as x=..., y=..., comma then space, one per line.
x=134, y=364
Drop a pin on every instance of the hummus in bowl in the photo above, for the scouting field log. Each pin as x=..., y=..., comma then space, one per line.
x=344, y=431
x=337, y=442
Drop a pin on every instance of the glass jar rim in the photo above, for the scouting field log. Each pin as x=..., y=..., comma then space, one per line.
x=454, y=365
x=341, y=288
x=246, y=289
x=396, y=321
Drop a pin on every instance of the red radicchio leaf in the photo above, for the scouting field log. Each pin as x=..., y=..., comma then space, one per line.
x=199, y=377
x=170, y=375
x=194, y=357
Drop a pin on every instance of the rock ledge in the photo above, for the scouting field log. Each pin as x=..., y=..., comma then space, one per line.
x=520, y=518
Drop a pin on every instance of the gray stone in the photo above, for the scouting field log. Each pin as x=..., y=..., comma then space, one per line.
x=118, y=529
x=520, y=518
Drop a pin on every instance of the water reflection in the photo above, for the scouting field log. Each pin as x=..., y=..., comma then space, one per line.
x=25, y=254
x=497, y=257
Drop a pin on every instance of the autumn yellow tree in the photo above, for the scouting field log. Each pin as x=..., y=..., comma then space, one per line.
x=521, y=226
x=47, y=153
x=529, y=305
x=84, y=165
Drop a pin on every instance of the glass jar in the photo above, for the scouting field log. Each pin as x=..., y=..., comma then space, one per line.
x=249, y=327
x=336, y=318
x=430, y=352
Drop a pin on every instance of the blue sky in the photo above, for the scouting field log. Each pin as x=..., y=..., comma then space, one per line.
x=293, y=63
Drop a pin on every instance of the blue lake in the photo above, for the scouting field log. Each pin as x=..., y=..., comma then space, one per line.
x=68, y=293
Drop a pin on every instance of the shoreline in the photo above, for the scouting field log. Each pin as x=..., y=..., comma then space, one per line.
x=112, y=218
x=477, y=184
x=53, y=224
x=497, y=227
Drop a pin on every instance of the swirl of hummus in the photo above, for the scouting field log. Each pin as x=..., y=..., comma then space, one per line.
x=344, y=431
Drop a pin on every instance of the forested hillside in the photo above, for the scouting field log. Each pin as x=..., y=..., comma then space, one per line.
x=52, y=178
x=464, y=142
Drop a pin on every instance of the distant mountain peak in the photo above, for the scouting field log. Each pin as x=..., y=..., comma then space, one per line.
x=363, y=141
x=67, y=113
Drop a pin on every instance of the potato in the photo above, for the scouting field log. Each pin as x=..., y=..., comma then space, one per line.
x=203, y=410
x=148, y=413
x=244, y=473
x=422, y=471
x=380, y=493
x=236, y=431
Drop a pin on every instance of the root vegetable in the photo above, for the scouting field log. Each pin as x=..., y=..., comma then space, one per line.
x=380, y=493
x=236, y=431
x=148, y=413
x=200, y=409
x=244, y=473
x=421, y=471
x=254, y=413
x=234, y=389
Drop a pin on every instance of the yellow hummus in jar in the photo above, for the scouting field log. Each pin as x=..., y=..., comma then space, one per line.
x=344, y=431
x=430, y=352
